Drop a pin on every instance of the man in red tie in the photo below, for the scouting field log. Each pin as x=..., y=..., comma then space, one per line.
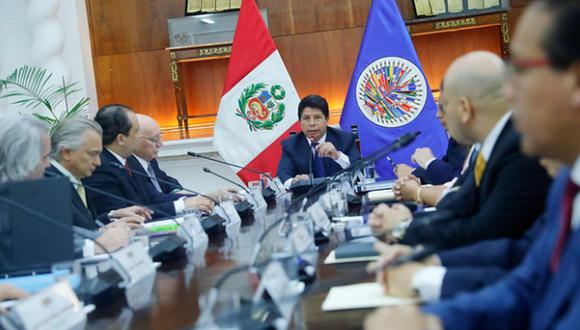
x=544, y=291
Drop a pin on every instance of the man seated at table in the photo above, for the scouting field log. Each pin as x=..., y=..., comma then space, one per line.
x=26, y=157
x=431, y=170
x=318, y=150
x=120, y=139
x=543, y=292
x=75, y=154
x=502, y=192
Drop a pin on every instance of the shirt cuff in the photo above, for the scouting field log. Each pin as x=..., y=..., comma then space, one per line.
x=288, y=183
x=342, y=160
x=179, y=206
x=429, y=163
x=88, y=248
x=428, y=283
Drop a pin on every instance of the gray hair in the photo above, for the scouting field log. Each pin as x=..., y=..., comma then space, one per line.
x=21, y=147
x=68, y=135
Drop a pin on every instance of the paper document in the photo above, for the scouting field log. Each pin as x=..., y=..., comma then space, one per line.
x=331, y=259
x=357, y=296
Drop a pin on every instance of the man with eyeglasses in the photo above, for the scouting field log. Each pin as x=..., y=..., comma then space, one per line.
x=318, y=150
x=147, y=150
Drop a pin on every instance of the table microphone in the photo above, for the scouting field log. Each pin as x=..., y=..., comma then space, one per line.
x=171, y=184
x=175, y=244
x=207, y=170
x=198, y=155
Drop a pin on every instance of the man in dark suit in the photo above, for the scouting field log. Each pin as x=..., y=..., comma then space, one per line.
x=146, y=154
x=75, y=149
x=120, y=139
x=543, y=292
x=503, y=193
x=435, y=171
x=318, y=150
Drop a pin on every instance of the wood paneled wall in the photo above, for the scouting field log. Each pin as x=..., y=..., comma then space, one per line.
x=318, y=40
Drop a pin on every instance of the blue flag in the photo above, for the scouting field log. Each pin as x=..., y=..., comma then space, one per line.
x=388, y=94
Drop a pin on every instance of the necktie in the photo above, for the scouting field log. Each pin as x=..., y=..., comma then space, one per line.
x=567, y=203
x=126, y=165
x=478, y=169
x=153, y=178
x=318, y=163
x=82, y=194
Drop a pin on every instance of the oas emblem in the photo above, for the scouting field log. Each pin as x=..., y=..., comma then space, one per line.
x=391, y=91
x=261, y=106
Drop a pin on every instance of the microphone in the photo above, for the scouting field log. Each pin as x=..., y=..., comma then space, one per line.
x=198, y=155
x=207, y=170
x=171, y=184
x=128, y=201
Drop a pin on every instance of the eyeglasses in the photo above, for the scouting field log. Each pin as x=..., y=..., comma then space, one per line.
x=520, y=66
x=156, y=140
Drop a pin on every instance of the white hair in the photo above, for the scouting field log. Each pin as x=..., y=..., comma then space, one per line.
x=21, y=146
x=68, y=135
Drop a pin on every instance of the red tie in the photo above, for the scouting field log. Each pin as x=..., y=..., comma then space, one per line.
x=571, y=191
x=128, y=168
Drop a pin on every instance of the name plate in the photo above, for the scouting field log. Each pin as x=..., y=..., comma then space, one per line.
x=234, y=222
x=137, y=269
x=321, y=220
x=56, y=307
x=283, y=291
x=192, y=231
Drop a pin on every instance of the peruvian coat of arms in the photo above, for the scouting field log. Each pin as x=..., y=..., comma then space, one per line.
x=261, y=106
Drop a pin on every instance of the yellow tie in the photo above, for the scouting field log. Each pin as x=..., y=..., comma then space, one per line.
x=82, y=194
x=479, y=168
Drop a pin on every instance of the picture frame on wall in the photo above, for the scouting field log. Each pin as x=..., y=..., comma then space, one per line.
x=196, y=7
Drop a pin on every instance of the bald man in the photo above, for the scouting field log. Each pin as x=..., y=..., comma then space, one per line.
x=148, y=148
x=502, y=192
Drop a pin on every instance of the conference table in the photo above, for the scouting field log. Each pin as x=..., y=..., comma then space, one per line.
x=181, y=283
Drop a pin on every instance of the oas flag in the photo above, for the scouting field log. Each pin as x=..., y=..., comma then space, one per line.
x=388, y=94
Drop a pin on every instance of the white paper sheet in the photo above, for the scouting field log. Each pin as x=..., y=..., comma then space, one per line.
x=357, y=296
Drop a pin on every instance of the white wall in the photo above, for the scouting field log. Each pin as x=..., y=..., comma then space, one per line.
x=53, y=34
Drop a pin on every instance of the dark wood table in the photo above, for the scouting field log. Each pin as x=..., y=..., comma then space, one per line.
x=179, y=284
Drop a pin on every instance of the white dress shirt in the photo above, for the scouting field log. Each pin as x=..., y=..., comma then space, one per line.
x=342, y=160
x=429, y=280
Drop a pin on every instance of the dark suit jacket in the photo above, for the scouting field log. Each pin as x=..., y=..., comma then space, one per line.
x=445, y=169
x=296, y=153
x=475, y=266
x=119, y=183
x=531, y=296
x=147, y=183
x=510, y=197
x=83, y=217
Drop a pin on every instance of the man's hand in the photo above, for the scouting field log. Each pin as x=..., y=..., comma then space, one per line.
x=385, y=218
x=403, y=170
x=422, y=157
x=327, y=149
x=300, y=177
x=132, y=211
x=113, y=238
x=133, y=222
x=405, y=189
x=224, y=194
x=403, y=317
x=8, y=291
x=198, y=202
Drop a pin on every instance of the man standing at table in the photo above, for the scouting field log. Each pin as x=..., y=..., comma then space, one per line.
x=318, y=150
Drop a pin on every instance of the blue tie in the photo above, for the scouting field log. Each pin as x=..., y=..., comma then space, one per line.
x=318, y=164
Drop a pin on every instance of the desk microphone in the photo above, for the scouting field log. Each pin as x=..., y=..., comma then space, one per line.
x=171, y=184
x=128, y=201
x=207, y=170
x=198, y=155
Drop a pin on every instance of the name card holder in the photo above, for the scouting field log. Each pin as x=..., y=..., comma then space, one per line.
x=137, y=270
x=56, y=307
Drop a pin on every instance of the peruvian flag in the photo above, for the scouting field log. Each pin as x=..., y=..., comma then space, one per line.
x=259, y=104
